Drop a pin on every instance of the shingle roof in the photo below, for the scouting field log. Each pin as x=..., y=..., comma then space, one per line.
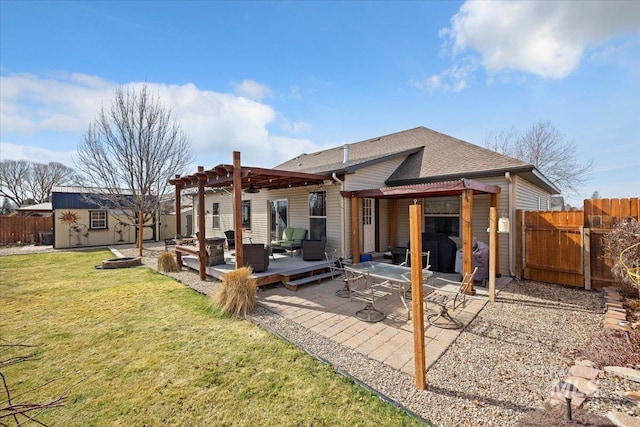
x=430, y=154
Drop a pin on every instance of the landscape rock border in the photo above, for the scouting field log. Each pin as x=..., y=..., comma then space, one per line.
x=124, y=262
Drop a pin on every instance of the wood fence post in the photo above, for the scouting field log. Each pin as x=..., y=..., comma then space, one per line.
x=586, y=257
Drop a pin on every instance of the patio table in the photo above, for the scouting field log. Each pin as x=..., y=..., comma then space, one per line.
x=398, y=276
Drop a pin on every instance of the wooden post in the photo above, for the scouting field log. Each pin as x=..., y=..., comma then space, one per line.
x=178, y=218
x=202, y=253
x=140, y=231
x=494, y=204
x=586, y=257
x=467, y=235
x=415, y=223
x=237, y=208
x=519, y=241
x=493, y=252
x=355, y=230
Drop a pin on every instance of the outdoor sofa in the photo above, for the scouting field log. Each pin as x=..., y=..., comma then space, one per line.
x=291, y=239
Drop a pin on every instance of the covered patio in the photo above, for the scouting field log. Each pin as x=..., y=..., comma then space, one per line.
x=237, y=178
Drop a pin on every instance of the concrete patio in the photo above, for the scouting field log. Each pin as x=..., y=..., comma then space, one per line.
x=317, y=308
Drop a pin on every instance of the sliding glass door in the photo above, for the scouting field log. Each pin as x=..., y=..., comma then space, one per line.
x=279, y=217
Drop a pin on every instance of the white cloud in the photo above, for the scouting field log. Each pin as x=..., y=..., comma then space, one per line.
x=456, y=78
x=545, y=38
x=251, y=89
x=67, y=102
x=217, y=123
x=35, y=154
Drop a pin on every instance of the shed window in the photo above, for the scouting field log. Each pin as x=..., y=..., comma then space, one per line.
x=97, y=220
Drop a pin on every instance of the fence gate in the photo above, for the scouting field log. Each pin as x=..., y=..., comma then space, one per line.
x=553, y=245
x=565, y=247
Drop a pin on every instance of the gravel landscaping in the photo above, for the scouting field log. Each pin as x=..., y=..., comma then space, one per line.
x=502, y=366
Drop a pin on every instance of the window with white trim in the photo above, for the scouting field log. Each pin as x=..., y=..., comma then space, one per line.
x=317, y=215
x=442, y=215
x=246, y=214
x=97, y=220
x=215, y=216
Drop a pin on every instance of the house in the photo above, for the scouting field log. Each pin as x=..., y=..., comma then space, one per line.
x=39, y=209
x=357, y=195
x=79, y=221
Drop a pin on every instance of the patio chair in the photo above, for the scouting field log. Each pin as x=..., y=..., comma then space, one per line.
x=336, y=267
x=363, y=288
x=447, y=300
x=256, y=255
x=313, y=250
x=425, y=260
x=407, y=263
x=231, y=239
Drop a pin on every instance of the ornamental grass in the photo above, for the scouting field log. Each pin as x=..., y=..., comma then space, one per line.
x=237, y=294
x=167, y=263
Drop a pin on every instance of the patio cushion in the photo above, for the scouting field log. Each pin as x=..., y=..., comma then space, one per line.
x=299, y=234
x=287, y=234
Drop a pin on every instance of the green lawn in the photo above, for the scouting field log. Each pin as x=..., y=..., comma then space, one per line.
x=134, y=347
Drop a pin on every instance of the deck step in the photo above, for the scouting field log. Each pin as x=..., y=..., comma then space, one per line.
x=293, y=285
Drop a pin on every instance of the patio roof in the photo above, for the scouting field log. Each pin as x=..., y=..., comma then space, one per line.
x=251, y=177
x=432, y=189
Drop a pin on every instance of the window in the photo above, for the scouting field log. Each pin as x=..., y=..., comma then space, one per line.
x=246, y=214
x=215, y=215
x=97, y=220
x=442, y=215
x=317, y=215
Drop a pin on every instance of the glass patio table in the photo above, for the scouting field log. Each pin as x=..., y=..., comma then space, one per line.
x=398, y=276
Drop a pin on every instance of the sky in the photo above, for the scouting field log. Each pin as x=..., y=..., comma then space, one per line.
x=277, y=79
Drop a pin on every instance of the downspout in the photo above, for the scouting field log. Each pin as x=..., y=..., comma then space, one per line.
x=507, y=176
x=342, y=240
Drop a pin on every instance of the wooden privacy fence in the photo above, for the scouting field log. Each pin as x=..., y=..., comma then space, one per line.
x=24, y=229
x=565, y=247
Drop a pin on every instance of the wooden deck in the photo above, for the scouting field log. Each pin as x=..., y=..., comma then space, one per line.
x=292, y=271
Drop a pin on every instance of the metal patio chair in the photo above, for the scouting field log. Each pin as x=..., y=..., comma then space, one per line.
x=447, y=300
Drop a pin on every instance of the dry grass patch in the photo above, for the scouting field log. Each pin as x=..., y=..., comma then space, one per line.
x=167, y=263
x=238, y=292
x=138, y=348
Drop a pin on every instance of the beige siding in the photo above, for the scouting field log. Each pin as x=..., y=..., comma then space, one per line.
x=481, y=220
x=298, y=203
x=530, y=197
x=79, y=234
x=368, y=178
x=259, y=215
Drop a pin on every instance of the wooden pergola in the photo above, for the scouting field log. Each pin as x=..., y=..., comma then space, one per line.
x=237, y=178
x=466, y=188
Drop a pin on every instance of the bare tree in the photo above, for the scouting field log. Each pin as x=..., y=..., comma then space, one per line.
x=548, y=150
x=23, y=181
x=130, y=152
x=45, y=176
x=13, y=180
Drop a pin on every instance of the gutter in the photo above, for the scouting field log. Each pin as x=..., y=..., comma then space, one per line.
x=507, y=176
x=342, y=223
